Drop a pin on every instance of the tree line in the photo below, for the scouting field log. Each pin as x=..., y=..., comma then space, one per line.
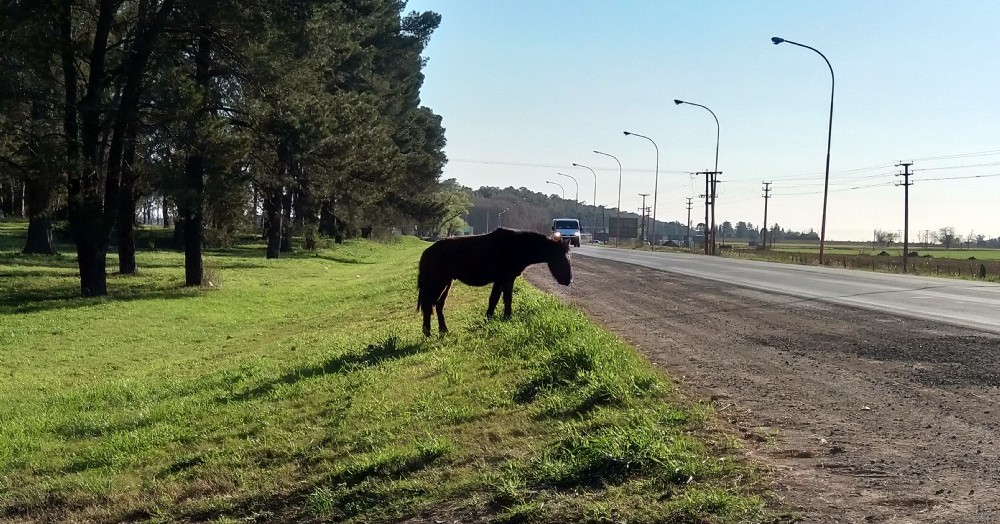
x=298, y=118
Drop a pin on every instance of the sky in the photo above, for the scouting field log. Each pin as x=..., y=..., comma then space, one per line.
x=527, y=88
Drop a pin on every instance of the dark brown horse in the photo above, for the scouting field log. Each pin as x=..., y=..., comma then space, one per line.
x=497, y=257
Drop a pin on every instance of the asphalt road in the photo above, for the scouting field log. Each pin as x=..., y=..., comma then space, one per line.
x=964, y=303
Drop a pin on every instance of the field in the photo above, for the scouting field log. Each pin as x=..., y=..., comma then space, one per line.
x=862, y=248
x=982, y=264
x=301, y=390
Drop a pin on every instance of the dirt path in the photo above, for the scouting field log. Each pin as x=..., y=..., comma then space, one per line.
x=864, y=417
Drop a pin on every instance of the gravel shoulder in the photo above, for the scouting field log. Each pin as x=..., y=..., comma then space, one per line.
x=861, y=416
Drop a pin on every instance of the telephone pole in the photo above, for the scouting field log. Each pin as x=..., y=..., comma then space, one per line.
x=906, y=209
x=715, y=180
x=642, y=213
x=705, y=232
x=687, y=236
x=711, y=179
x=767, y=195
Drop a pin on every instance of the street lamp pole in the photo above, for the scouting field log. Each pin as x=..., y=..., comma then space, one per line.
x=500, y=218
x=656, y=183
x=619, y=229
x=560, y=187
x=714, y=171
x=829, y=138
x=577, y=192
x=595, y=198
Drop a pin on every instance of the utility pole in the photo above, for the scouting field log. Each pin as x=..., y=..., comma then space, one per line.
x=642, y=213
x=705, y=232
x=715, y=179
x=906, y=209
x=710, y=181
x=767, y=195
x=687, y=237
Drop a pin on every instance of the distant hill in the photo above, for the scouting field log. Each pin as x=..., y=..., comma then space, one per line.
x=532, y=210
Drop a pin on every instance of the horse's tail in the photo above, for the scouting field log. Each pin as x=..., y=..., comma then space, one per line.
x=420, y=283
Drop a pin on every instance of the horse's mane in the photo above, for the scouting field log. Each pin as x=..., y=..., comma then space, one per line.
x=535, y=241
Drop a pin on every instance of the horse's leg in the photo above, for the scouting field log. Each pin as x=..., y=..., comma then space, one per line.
x=508, y=291
x=442, y=328
x=426, y=306
x=494, y=298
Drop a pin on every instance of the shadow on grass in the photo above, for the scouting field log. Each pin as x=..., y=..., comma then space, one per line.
x=55, y=261
x=343, y=260
x=370, y=488
x=68, y=297
x=373, y=355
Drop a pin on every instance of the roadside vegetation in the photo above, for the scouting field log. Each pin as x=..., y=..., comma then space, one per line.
x=974, y=264
x=970, y=264
x=301, y=390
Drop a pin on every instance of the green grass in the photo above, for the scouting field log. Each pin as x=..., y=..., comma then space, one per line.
x=301, y=390
x=861, y=248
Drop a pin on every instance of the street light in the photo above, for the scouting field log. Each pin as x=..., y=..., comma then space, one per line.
x=656, y=183
x=560, y=187
x=577, y=192
x=619, y=231
x=829, y=137
x=715, y=171
x=595, y=197
x=500, y=217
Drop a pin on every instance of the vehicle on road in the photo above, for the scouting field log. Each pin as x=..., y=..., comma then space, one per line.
x=566, y=230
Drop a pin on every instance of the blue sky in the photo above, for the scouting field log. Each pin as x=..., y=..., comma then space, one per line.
x=526, y=88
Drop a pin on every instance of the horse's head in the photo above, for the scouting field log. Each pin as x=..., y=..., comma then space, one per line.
x=559, y=263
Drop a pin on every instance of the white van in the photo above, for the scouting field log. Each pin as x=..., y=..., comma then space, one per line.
x=566, y=230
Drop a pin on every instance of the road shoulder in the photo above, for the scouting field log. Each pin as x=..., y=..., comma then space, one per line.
x=862, y=416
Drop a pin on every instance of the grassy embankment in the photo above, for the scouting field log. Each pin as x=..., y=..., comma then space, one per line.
x=862, y=248
x=975, y=264
x=302, y=391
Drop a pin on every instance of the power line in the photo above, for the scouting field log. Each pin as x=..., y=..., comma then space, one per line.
x=959, y=155
x=959, y=167
x=554, y=166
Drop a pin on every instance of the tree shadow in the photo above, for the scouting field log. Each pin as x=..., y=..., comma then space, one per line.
x=68, y=297
x=343, y=260
x=19, y=260
x=372, y=355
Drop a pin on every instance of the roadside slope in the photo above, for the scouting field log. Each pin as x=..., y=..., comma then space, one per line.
x=864, y=416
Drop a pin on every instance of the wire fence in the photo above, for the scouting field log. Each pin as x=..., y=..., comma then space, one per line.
x=987, y=270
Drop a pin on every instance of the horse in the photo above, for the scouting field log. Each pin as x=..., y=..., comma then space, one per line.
x=497, y=257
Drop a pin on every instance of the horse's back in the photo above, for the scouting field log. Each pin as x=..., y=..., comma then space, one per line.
x=472, y=260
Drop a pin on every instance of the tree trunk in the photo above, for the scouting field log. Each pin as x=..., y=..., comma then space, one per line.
x=286, y=222
x=178, y=236
x=126, y=207
x=6, y=206
x=38, y=196
x=92, y=260
x=39, y=241
x=191, y=215
x=329, y=226
x=17, y=196
x=305, y=214
x=272, y=221
x=166, y=212
x=327, y=222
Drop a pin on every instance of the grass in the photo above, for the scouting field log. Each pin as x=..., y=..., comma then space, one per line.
x=862, y=248
x=303, y=391
x=969, y=264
